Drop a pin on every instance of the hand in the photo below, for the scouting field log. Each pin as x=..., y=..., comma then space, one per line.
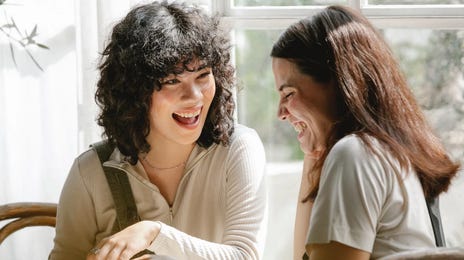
x=308, y=163
x=315, y=154
x=126, y=243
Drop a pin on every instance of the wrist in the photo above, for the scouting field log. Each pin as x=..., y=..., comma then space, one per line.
x=308, y=162
x=154, y=228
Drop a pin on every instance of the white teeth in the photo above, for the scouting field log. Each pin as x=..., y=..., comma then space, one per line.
x=187, y=115
x=299, y=127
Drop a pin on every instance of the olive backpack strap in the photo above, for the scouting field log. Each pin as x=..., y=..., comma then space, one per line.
x=434, y=212
x=305, y=256
x=126, y=209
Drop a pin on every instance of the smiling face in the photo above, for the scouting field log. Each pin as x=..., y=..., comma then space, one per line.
x=306, y=104
x=179, y=109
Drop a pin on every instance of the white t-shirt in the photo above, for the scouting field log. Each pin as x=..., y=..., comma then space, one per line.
x=363, y=203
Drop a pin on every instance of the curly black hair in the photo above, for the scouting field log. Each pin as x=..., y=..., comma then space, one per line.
x=148, y=45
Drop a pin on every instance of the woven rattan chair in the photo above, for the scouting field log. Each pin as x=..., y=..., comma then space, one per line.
x=26, y=214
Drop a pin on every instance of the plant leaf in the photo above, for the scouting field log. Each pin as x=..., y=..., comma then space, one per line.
x=14, y=25
x=12, y=54
x=43, y=46
x=33, y=59
x=8, y=25
x=28, y=38
x=33, y=33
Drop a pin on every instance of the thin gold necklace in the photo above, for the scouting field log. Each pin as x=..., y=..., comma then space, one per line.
x=163, y=168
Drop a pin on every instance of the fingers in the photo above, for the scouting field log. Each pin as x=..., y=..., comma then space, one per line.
x=109, y=249
x=120, y=252
x=92, y=255
x=126, y=243
x=114, y=251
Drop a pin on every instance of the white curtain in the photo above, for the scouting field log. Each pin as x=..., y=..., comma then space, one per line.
x=48, y=117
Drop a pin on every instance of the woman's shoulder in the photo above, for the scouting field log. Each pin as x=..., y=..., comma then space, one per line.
x=88, y=158
x=242, y=131
x=356, y=144
x=243, y=142
x=87, y=164
x=244, y=135
x=355, y=150
x=350, y=145
x=91, y=158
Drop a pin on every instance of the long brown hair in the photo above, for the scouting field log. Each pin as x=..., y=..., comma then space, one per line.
x=340, y=45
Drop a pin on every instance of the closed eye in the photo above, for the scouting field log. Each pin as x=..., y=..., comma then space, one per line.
x=287, y=96
x=204, y=75
x=286, y=91
x=170, y=82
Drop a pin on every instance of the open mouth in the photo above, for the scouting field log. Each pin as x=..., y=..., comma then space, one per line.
x=187, y=118
x=299, y=126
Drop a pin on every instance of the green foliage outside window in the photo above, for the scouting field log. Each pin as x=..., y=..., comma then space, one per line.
x=258, y=99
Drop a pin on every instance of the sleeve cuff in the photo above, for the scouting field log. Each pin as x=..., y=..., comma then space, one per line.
x=161, y=241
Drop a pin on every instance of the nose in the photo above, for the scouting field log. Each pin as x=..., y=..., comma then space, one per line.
x=191, y=91
x=282, y=112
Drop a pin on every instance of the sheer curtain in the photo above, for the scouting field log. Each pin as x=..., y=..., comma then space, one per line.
x=47, y=117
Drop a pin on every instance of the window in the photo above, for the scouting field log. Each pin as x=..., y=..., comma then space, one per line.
x=427, y=38
x=48, y=117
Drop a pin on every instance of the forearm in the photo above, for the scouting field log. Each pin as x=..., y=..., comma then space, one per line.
x=177, y=244
x=335, y=251
x=303, y=212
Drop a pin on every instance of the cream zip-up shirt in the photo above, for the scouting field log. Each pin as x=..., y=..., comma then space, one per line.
x=219, y=211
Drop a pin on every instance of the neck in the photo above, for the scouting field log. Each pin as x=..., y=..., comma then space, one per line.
x=167, y=155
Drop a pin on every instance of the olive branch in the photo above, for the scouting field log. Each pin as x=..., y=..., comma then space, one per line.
x=19, y=37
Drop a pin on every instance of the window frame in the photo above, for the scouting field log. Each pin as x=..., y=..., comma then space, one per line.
x=436, y=16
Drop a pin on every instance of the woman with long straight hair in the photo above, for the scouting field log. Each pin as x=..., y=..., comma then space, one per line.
x=371, y=159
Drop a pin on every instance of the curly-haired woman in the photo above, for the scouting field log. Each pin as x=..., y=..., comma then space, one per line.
x=167, y=108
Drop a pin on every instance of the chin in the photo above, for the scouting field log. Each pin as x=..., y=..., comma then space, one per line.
x=305, y=149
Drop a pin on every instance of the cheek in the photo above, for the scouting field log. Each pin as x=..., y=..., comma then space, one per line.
x=209, y=91
x=302, y=110
x=164, y=98
x=317, y=110
x=160, y=104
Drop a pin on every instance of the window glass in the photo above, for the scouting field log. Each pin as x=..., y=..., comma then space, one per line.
x=257, y=97
x=432, y=60
x=286, y=2
x=415, y=2
x=204, y=4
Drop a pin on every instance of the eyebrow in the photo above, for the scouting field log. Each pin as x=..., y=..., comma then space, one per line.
x=202, y=66
x=205, y=65
x=286, y=85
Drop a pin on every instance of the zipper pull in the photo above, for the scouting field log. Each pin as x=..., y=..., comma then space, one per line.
x=171, y=215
